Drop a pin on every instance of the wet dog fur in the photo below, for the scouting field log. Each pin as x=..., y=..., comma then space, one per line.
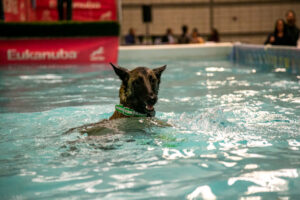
x=138, y=91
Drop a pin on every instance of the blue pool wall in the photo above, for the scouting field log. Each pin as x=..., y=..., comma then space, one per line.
x=284, y=59
x=268, y=58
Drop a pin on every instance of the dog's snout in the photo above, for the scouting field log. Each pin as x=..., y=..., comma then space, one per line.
x=152, y=98
x=151, y=95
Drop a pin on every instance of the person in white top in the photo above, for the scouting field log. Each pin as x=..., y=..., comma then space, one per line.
x=169, y=37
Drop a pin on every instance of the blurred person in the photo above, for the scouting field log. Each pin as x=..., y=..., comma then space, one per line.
x=292, y=29
x=214, y=35
x=1, y=11
x=184, y=37
x=62, y=13
x=140, y=39
x=279, y=35
x=156, y=40
x=169, y=37
x=195, y=38
x=33, y=4
x=130, y=37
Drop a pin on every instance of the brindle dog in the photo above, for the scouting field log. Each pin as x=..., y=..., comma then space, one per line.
x=138, y=92
x=139, y=89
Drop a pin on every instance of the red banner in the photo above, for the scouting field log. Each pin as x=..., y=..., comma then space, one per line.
x=42, y=14
x=46, y=4
x=15, y=10
x=94, y=10
x=59, y=51
x=46, y=10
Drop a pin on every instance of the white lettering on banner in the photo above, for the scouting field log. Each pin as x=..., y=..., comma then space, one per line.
x=11, y=6
x=97, y=55
x=52, y=3
x=106, y=16
x=61, y=54
x=22, y=14
x=46, y=16
x=86, y=5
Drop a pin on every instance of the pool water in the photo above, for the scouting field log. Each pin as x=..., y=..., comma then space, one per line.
x=235, y=134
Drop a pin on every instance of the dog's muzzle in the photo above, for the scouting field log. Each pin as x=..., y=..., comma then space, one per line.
x=151, y=113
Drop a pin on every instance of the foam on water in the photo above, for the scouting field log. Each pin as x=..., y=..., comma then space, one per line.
x=234, y=135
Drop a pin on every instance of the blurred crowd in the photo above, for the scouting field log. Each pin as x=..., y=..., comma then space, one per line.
x=285, y=33
x=169, y=38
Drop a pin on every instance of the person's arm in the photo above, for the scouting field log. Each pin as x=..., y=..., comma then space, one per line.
x=270, y=39
x=298, y=42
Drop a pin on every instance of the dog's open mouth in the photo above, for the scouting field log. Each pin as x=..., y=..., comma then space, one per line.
x=149, y=107
x=150, y=110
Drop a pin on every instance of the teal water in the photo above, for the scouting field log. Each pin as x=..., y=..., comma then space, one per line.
x=235, y=135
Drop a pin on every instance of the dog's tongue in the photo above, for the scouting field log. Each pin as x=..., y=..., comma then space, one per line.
x=149, y=107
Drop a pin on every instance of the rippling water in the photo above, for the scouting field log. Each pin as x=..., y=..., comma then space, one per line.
x=235, y=135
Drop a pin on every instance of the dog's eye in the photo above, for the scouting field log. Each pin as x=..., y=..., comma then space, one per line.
x=151, y=79
x=138, y=81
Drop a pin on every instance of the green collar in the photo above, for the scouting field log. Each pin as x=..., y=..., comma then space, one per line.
x=129, y=112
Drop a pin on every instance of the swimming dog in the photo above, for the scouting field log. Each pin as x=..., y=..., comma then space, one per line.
x=138, y=91
x=138, y=95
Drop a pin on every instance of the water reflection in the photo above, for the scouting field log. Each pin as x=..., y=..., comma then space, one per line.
x=234, y=135
x=203, y=192
x=266, y=181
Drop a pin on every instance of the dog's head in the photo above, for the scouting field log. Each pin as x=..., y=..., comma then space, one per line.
x=139, y=88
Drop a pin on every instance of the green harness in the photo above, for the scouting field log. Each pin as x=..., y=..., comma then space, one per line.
x=129, y=112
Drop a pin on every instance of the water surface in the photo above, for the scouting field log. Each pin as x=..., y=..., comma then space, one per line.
x=235, y=134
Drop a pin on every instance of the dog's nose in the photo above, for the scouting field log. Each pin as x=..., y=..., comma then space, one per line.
x=152, y=98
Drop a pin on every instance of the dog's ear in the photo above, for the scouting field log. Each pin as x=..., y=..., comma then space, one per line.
x=158, y=71
x=123, y=73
